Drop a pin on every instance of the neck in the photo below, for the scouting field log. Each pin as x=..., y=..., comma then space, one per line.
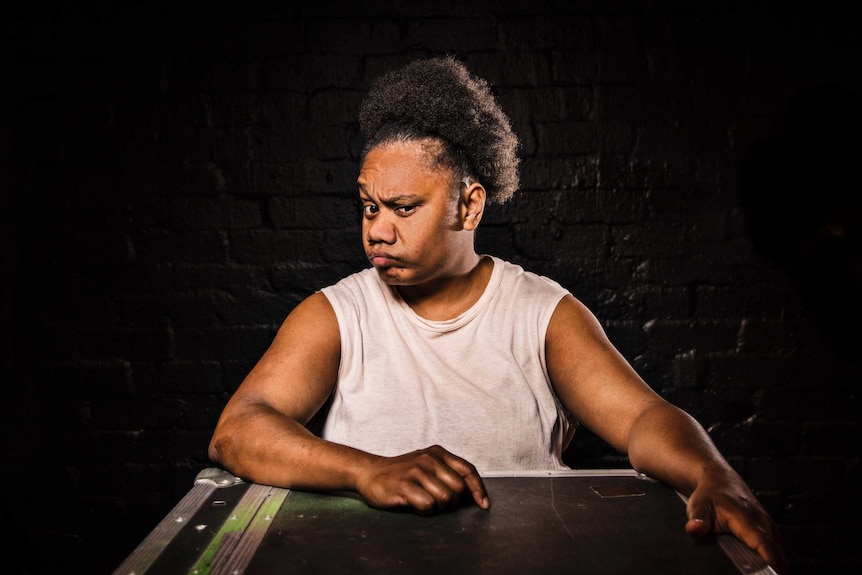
x=449, y=296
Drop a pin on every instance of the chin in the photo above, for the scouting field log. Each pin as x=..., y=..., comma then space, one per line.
x=393, y=277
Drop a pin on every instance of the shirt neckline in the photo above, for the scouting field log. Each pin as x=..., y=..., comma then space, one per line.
x=460, y=320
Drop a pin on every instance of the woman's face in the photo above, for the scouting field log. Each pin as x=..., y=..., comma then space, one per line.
x=412, y=228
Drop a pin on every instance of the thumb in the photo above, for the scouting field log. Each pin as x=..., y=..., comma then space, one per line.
x=700, y=518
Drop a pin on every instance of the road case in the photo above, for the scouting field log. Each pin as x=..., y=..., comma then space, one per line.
x=595, y=522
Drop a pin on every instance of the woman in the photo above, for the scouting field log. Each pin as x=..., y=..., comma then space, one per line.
x=438, y=363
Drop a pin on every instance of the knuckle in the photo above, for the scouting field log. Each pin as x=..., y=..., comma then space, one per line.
x=426, y=458
x=425, y=505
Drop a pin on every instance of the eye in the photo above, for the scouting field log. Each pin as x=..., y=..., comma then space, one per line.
x=405, y=210
x=369, y=209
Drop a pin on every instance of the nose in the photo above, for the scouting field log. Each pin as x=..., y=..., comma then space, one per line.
x=380, y=229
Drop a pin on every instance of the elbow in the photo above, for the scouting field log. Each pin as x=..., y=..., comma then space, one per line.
x=213, y=451
x=217, y=448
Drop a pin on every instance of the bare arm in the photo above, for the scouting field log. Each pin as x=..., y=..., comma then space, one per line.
x=261, y=434
x=606, y=395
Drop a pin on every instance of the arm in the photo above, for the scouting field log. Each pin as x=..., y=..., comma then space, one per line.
x=261, y=434
x=605, y=394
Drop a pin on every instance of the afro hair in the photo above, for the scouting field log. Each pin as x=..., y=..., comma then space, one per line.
x=439, y=98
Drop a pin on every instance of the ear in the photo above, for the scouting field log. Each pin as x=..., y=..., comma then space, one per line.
x=472, y=205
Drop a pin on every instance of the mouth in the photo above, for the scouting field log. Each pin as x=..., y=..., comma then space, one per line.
x=381, y=259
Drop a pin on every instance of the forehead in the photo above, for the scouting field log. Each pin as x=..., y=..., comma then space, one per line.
x=403, y=166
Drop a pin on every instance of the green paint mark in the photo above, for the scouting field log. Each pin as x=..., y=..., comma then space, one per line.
x=232, y=529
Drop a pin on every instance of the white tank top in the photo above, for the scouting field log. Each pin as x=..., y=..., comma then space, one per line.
x=476, y=384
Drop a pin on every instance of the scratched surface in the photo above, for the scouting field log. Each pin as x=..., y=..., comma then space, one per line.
x=591, y=525
x=182, y=551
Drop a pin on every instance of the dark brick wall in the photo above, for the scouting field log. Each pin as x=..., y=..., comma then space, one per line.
x=176, y=179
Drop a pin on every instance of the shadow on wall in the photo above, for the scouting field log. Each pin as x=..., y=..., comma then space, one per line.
x=801, y=195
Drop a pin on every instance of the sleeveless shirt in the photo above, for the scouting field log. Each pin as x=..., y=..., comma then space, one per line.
x=477, y=384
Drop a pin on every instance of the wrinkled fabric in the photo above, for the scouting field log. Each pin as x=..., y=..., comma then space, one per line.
x=476, y=384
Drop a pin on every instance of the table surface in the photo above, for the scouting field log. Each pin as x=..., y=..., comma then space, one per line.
x=592, y=522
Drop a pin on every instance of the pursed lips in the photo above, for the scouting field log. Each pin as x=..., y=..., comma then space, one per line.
x=381, y=258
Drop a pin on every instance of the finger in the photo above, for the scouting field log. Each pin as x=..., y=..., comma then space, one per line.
x=701, y=518
x=469, y=476
x=698, y=527
x=442, y=483
x=773, y=558
x=419, y=498
x=760, y=534
x=764, y=547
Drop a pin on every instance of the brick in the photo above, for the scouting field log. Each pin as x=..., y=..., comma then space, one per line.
x=299, y=279
x=771, y=439
x=300, y=178
x=214, y=213
x=655, y=239
x=567, y=206
x=566, y=138
x=544, y=242
x=315, y=212
x=572, y=172
x=102, y=447
x=573, y=67
x=108, y=377
x=507, y=75
x=310, y=72
x=191, y=277
x=254, y=308
x=569, y=106
x=207, y=246
x=223, y=343
x=192, y=377
x=128, y=343
x=838, y=438
x=495, y=240
x=724, y=301
x=550, y=32
x=674, y=336
x=463, y=34
x=348, y=36
x=108, y=249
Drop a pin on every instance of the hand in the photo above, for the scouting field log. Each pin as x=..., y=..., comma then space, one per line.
x=429, y=480
x=723, y=503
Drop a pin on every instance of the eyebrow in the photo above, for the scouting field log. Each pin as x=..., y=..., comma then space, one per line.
x=396, y=199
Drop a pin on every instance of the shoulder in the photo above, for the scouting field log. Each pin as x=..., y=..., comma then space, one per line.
x=356, y=296
x=314, y=311
x=354, y=283
x=308, y=336
x=514, y=276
